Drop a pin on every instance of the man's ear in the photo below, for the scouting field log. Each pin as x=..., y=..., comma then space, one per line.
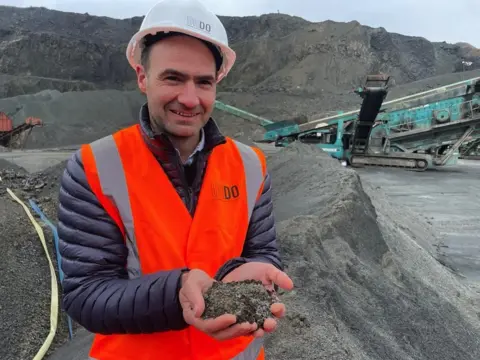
x=141, y=78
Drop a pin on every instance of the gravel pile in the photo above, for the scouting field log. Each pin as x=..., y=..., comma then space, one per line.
x=75, y=117
x=365, y=288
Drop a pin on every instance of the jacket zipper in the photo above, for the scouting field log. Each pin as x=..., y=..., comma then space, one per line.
x=190, y=200
x=188, y=192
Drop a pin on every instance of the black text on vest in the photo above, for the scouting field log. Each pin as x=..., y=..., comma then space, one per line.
x=230, y=192
x=224, y=192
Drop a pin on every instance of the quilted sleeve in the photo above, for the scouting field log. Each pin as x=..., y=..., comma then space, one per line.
x=97, y=292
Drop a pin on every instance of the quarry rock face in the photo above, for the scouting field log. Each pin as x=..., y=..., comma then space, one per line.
x=287, y=68
x=276, y=52
x=65, y=58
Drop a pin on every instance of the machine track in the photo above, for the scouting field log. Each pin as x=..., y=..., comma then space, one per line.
x=418, y=162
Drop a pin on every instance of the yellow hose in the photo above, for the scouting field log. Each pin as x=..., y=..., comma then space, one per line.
x=54, y=298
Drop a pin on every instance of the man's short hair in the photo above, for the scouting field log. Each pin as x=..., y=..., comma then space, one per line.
x=149, y=40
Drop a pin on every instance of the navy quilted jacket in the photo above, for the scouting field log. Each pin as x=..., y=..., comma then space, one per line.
x=96, y=290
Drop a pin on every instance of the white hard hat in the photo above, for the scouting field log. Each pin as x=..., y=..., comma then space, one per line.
x=189, y=17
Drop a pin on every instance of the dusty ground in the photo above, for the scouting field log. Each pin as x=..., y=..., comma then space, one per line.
x=449, y=199
x=366, y=267
x=355, y=245
x=25, y=282
x=33, y=161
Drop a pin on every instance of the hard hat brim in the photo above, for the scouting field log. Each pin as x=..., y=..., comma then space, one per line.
x=133, y=51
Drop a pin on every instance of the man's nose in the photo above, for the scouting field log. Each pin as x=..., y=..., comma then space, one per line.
x=188, y=96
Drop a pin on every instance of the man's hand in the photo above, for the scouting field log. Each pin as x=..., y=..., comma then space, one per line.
x=194, y=284
x=268, y=275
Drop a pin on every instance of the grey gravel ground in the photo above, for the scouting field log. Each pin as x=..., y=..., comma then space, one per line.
x=365, y=284
x=368, y=285
x=447, y=198
x=25, y=284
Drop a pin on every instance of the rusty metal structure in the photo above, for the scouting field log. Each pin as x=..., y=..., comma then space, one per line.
x=15, y=137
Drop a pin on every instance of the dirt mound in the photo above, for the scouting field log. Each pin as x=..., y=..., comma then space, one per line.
x=11, y=85
x=74, y=117
x=430, y=83
x=286, y=105
x=41, y=187
x=365, y=287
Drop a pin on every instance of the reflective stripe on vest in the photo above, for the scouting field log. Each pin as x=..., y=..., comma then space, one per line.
x=252, y=352
x=114, y=186
x=161, y=234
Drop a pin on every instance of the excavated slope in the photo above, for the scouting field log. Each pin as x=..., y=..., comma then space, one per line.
x=276, y=52
x=73, y=118
x=82, y=116
x=365, y=288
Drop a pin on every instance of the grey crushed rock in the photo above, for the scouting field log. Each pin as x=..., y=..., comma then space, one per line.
x=25, y=286
x=248, y=300
x=367, y=288
x=365, y=285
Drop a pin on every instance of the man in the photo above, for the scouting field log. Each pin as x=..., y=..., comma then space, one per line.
x=152, y=215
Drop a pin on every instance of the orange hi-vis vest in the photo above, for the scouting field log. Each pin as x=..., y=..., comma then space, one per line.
x=160, y=233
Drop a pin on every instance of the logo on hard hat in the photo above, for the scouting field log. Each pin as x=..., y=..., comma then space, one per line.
x=198, y=24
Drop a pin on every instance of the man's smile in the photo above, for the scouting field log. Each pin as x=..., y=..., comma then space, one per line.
x=184, y=114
